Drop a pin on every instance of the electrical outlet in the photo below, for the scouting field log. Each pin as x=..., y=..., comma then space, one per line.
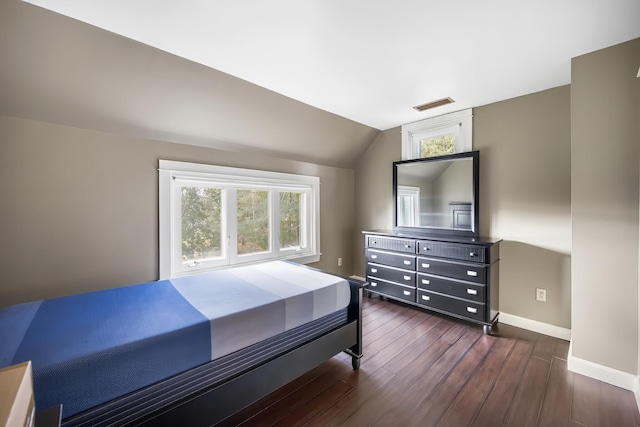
x=339, y=262
x=541, y=295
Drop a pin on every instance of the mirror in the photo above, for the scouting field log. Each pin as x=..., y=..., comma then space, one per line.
x=437, y=194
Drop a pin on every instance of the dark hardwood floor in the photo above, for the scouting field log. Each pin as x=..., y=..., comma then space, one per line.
x=422, y=369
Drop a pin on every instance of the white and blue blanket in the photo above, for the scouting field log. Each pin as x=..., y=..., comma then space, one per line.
x=90, y=348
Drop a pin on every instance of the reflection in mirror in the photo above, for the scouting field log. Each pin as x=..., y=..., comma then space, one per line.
x=436, y=194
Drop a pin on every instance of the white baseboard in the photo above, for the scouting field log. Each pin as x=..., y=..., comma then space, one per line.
x=535, y=326
x=636, y=391
x=603, y=373
x=358, y=278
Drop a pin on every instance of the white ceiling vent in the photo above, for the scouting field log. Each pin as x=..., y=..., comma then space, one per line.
x=434, y=104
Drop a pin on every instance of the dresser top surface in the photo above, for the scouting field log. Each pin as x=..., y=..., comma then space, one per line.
x=482, y=241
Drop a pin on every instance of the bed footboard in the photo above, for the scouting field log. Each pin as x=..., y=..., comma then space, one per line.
x=355, y=313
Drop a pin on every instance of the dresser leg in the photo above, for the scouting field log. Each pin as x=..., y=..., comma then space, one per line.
x=487, y=329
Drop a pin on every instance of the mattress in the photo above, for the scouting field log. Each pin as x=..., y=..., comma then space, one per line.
x=91, y=348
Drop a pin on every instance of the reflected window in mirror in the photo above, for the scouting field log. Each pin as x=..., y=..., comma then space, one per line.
x=408, y=205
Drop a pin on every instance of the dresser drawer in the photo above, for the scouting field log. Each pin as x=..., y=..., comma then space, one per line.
x=461, y=252
x=391, y=289
x=394, y=260
x=403, y=277
x=460, y=307
x=471, y=272
x=392, y=244
x=451, y=287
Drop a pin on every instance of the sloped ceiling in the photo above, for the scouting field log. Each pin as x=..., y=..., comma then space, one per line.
x=59, y=70
x=361, y=64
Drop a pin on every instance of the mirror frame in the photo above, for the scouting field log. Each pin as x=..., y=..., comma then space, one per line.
x=475, y=221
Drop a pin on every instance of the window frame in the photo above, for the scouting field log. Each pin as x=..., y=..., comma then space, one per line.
x=415, y=132
x=173, y=174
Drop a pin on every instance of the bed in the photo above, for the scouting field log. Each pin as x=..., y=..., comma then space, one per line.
x=191, y=351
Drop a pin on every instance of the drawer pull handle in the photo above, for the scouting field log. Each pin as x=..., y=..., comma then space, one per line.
x=407, y=277
x=406, y=293
x=425, y=282
x=426, y=298
x=472, y=254
x=374, y=256
x=472, y=310
x=374, y=270
x=425, y=265
x=472, y=273
x=426, y=248
x=407, y=262
x=407, y=246
x=374, y=284
x=472, y=292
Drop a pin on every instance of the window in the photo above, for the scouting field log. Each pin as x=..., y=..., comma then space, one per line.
x=214, y=216
x=408, y=206
x=447, y=134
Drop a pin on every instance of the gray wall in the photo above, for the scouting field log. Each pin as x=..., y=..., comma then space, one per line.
x=59, y=70
x=373, y=190
x=605, y=144
x=525, y=197
x=79, y=208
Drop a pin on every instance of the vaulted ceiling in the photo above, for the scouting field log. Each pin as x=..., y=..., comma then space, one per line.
x=312, y=80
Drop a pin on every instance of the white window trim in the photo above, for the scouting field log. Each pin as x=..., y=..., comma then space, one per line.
x=241, y=178
x=413, y=133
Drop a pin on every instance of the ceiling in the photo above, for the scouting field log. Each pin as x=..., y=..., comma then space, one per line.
x=371, y=61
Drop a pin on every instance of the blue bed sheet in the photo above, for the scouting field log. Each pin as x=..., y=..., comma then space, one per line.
x=90, y=348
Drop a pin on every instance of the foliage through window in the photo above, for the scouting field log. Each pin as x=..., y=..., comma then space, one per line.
x=437, y=136
x=213, y=216
x=438, y=145
x=201, y=223
x=253, y=221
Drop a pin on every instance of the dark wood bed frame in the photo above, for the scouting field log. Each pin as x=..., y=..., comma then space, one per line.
x=208, y=394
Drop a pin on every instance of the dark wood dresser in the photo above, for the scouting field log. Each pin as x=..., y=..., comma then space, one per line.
x=457, y=276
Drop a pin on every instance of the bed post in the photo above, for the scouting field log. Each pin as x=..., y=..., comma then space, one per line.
x=355, y=313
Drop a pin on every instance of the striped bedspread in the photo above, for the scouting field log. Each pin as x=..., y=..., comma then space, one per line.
x=90, y=348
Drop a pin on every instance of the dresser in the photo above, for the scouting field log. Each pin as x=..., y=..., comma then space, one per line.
x=456, y=276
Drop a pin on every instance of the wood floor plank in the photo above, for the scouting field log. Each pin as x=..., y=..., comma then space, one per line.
x=503, y=345
x=388, y=353
x=463, y=410
x=495, y=407
x=368, y=387
x=562, y=349
x=454, y=333
x=556, y=406
x=433, y=408
x=428, y=381
x=586, y=401
x=527, y=401
x=391, y=396
x=315, y=406
x=544, y=348
x=376, y=330
x=616, y=411
x=406, y=358
x=414, y=325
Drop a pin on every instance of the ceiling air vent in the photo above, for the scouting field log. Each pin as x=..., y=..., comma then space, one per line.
x=434, y=104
